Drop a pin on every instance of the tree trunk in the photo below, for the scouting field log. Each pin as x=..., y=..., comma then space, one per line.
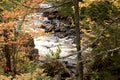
x=14, y=48
x=8, y=60
x=79, y=68
x=14, y=59
x=6, y=51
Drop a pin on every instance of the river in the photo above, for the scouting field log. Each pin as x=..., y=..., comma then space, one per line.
x=50, y=42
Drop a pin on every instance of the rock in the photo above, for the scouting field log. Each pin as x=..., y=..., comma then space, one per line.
x=63, y=29
x=60, y=25
x=50, y=17
x=43, y=27
x=33, y=53
x=51, y=14
x=70, y=32
x=57, y=29
x=60, y=34
x=47, y=27
x=45, y=14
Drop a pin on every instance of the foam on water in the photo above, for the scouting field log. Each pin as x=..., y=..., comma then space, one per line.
x=45, y=43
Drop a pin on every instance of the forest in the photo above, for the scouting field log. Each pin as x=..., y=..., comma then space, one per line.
x=59, y=39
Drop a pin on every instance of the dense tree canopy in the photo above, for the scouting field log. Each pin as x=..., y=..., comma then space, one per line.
x=97, y=24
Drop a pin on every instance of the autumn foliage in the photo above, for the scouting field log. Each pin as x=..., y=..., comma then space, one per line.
x=12, y=34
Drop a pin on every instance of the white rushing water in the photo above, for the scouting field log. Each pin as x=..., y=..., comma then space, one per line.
x=45, y=43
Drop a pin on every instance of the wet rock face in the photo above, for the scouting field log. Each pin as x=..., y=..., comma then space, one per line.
x=60, y=32
x=58, y=24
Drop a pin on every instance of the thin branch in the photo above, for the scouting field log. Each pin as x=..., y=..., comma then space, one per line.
x=111, y=50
